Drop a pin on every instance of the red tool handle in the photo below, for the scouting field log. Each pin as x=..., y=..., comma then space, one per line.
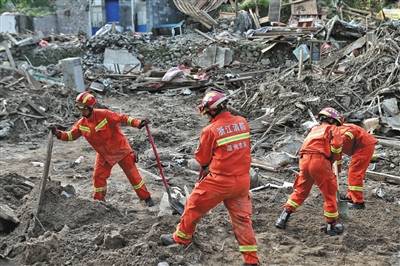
x=160, y=168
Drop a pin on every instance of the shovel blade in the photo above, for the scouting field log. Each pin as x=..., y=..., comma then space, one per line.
x=343, y=209
x=177, y=199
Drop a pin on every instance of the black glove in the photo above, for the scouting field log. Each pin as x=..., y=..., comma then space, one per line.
x=55, y=130
x=143, y=123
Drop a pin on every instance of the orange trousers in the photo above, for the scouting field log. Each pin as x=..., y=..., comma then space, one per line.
x=102, y=170
x=315, y=168
x=357, y=168
x=233, y=191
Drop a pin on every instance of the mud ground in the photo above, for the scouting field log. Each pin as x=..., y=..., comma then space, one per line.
x=122, y=231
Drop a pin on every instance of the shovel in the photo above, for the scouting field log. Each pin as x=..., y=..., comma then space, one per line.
x=342, y=204
x=174, y=203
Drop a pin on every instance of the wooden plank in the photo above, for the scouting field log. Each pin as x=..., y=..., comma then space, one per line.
x=263, y=51
x=253, y=16
x=383, y=177
x=45, y=176
x=204, y=35
x=304, y=8
x=264, y=20
x=389, y=143
x=343, y=52
x=9, y=55
x=294, y=2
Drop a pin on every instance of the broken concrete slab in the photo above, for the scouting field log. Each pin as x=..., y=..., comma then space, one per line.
x=118, y=60
x=5, y=128
x=165, y=208
x=390, y=106
x=7, y=214
x=215, y=55
x=72, y=73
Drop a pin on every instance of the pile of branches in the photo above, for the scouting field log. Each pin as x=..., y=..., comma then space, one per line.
x=282, y=102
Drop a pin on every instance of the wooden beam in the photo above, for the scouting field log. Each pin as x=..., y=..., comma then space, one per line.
x=383, y=177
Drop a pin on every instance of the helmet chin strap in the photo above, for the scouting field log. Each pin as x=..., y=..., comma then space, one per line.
x=90, y=111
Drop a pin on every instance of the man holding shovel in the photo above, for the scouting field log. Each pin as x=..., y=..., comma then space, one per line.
x=101, y=128
x=322, y=146
x=225, y=150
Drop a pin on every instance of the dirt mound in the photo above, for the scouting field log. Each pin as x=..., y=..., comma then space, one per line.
x=13, y=188
x=62, y=208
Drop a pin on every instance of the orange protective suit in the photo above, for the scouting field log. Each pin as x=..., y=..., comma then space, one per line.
x=360, y=145
x=102, y=131
x=225, y=148
x=322, y=146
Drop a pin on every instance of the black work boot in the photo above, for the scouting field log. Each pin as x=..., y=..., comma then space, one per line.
x=149, y=202
x=282, y=219
x=334, y=228
x=167, y=240
x=356, y=206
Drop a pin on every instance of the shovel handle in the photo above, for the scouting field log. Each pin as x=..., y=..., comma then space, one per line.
x=160, y=168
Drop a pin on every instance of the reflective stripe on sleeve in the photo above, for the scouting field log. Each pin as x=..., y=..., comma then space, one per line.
x=84, y=128
x=101, y=124
x=233, y=138
x=331, y=214
x=292, y=203
x=349, y=134
x=130, y=119
x=356, y=188
x=99, y=189
x=251, y=248
x=69, y=134
x=138, y=186
x=336, y=150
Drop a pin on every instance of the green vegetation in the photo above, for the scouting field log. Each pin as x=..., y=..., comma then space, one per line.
x=28, y=7
x=247, y=4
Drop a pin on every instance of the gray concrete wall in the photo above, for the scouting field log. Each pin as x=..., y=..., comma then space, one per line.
x=45, y=24
x=73, y=16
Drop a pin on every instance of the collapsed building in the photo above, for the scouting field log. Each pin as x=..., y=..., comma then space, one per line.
x=276, y=75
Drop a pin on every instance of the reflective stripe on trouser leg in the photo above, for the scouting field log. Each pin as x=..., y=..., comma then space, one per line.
x=181, y=237
x=240, y=211
x=102, y=171
x=320, y=169
x=301, y=189
x=357, y=168
x=202, y=199
x=129, y=167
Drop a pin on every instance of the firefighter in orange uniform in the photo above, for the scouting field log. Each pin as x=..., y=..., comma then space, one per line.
x=360, y=145
x=225, y=150
x=100, y=127
x=322, y=146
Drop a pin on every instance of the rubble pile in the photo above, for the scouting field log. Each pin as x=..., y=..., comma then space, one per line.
x=27, y=112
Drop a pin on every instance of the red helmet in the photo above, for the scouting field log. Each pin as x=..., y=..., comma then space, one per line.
x=85, y=99
x=332, y=113
x=211, y=101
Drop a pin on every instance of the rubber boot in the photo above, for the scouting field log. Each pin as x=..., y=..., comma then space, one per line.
x=334, y=228
x=355, y=205
x=149, y=202
x=248, y=264
x=167, y=240
x=283, y=219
